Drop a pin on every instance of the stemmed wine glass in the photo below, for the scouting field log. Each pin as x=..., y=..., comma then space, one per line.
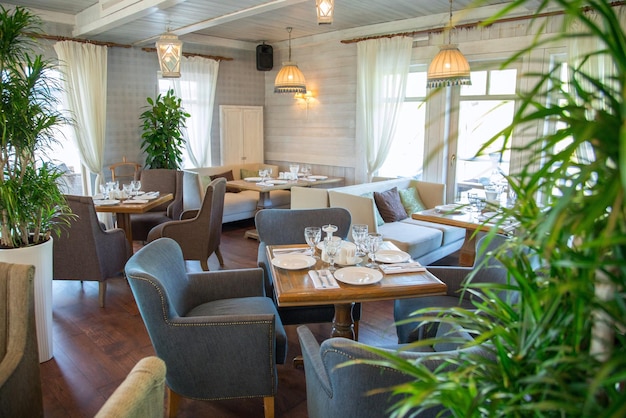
x=263, y=174
x=331, y=248
x=136, y=186
x=293, y=169
x=313, y=235
x=374, y=240
x=359, y=235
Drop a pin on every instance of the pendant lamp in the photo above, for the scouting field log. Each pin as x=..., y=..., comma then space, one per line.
x=325, y=9
x=449, y=67
x=290, y=79
x=169, y=50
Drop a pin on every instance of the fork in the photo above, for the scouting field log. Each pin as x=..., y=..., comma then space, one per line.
x=324, y=278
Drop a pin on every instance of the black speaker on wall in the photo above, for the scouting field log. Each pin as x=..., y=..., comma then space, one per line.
x=264, y=57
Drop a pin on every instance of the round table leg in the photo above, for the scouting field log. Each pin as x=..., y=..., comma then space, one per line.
x=343, y=323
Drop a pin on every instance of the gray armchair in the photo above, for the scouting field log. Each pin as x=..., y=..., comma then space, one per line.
x=20, y=381
x=334, y=391
x=286, y=226
x=491, y=271
x=102, y=253
x=198, y=232
x=140, y=395
x=163, y=181
x=219, y=336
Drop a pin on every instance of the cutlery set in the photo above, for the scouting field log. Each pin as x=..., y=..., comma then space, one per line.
x=323, y=279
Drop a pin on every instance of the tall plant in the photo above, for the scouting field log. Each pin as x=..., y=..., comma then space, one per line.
x=31, y=205
x=163, y=140
x=561, y=349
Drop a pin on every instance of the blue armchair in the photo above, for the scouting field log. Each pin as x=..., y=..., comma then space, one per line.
x=218, y=333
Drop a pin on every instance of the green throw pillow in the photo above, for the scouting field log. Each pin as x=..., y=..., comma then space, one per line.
x=411, y=201
x=379, y=219
x=249, y=173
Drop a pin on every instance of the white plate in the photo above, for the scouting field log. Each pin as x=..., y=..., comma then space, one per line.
x=277, y=181
x=392, y=256
x=137, y=201
x=358, y=275
x=108, y=202
x=293, y=261
x=318, y=177
x=452, y=208
x=254, y=179
x=357, y=260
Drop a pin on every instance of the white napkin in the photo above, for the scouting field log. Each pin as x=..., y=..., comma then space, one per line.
x=151, y=195
x=398, y=268
x=138, y=201
x=323, y=281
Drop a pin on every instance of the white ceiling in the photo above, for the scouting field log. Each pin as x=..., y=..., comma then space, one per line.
x=231, y=23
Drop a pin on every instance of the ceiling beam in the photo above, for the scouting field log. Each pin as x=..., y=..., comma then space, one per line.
x=93, y=21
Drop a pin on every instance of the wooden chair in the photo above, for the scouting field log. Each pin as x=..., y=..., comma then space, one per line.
x=125, y=171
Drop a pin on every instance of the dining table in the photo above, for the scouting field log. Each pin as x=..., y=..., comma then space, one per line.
x=297, y=287
x=456, y=214
x=124, y=208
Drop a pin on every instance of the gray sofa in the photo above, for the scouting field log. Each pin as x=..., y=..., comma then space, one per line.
x=237, y=205
x=426, y=242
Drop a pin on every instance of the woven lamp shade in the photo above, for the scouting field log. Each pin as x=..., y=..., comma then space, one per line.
x=449, y=68
x=290, y=79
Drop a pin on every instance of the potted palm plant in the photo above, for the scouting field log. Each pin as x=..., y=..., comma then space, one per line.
x=32, y=207
x=163, y=139
x=559, y=350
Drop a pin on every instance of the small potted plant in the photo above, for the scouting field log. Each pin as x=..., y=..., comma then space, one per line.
x=163, y=140
x=32, y=207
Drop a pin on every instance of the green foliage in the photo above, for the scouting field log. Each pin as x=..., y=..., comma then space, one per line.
x=31, y=205
x=560, y=350
x=162, y=131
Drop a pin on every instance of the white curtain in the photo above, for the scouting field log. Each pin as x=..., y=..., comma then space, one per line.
x=85, y=83
x=382, y=71
x=196, y=88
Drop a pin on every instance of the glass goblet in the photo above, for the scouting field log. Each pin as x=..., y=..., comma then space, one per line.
x=313, y=235
x=293, y=169
x=331, y=247
x=359, y=234
x=374, y=241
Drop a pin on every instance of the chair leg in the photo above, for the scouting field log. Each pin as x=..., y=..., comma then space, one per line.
x=218, y=253
x=102, y=291
x=173, y=399
x=268, y=406
x=356, y=330
x=204, y=264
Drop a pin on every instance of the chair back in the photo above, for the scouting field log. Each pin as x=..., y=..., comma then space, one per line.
x=158, y=278
x=286, y=226
x=217, y=190
x=165, y=181
x=125, y=171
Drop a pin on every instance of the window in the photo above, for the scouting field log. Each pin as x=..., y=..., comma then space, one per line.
x=485, y=108
x=406, y=156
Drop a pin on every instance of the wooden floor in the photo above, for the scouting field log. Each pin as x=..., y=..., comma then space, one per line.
x=94, y=348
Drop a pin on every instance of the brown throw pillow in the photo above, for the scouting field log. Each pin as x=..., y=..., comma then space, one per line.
x=228, y=175
x=389, y=205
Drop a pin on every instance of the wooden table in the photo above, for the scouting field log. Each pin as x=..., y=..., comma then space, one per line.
x=265, y=189
x=124, y=210
x=470, y=222
x=295, y=288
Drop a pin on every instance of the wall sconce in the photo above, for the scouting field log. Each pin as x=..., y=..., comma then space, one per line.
x=169, y=50
x=306, y=98
x=325, y=10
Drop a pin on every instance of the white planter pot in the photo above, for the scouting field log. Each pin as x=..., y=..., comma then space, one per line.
x=39, y=256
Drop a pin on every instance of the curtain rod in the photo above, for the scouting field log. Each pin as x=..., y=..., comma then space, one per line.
x=466, y=25
x=192, y=54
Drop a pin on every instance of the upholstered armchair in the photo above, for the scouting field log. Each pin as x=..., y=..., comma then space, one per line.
x=334, y=391
x=198, y=232
x=140, y=395
x=491, y=271
x=102, y=253
x=219, y=336
x=163, y=181
x=286, y=226
x=20, y=381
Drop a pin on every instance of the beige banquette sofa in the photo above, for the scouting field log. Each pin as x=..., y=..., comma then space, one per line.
x=238, y=205
x=426, y=242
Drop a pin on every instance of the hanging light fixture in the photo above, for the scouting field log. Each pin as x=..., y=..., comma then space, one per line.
x=449, y=67
x=325, y=10
x=290, y=79
x=169, y=50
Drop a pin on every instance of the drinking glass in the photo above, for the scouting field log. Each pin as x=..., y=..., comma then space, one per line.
x=374, y=240
x=293, y=169
x=126, y=191
x=331, y=248
x=313, y=235
x=263, y=174
x=359, y=234
x=136, y=185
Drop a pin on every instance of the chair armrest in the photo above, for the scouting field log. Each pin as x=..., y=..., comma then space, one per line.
x=225, y=284
x=313, y=360
x=189, y=214
x=113, y=251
